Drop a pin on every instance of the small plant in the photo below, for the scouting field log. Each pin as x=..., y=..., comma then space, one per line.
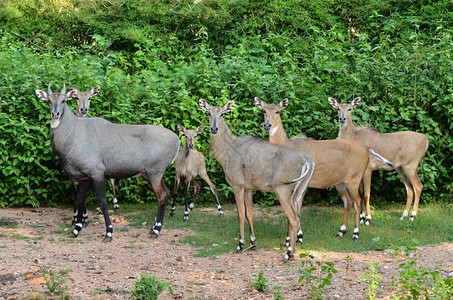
x=277, y=294
x=421, y=282
x=260, y=284
x=54, y=282
x=372, y=278
x=317, y=274
x=149, y=288
x=348, y=261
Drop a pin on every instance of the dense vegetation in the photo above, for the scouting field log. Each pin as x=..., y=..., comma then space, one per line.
x=155, y=59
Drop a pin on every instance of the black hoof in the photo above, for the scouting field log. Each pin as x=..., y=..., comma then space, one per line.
x=84, y=224
x=72, y=235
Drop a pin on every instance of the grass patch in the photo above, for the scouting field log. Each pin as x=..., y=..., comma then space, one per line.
x=212, y=235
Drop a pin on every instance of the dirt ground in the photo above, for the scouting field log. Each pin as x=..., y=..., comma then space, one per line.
x=95, y=270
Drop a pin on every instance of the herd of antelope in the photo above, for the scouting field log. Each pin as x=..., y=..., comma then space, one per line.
x=93, y=149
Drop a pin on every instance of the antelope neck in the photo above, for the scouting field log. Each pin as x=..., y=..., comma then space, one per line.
x=222, y=142
x=277, y=135
x=347, y=131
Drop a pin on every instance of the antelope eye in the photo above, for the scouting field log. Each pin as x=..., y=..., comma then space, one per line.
x=349, y=109
x=277, y=112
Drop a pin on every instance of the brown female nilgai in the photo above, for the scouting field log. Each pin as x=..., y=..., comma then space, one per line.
x=189, y=164
x=338, y=162
x=404, y=149
x=251, y=163
x=93, y=149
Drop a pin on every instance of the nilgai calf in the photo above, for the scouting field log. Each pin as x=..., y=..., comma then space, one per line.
x=93, y=149
x=189, y=164
x=341, y=163
x=83, y=106
x=251, y=163
x=404, y=149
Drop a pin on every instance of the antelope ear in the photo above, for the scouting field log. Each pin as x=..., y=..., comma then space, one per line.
x=228, y=107
x=200, y=129
x=71, y=94
x=334, y=103
x=72, y=87
x=284, y=103
x=260, y=103
x=94, y=91
x=203, y=104
x=41, y=94
x=180, y=128
x=355, y=102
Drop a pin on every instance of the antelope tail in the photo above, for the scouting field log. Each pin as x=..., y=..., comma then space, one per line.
x=381, y=158
x=305, y=171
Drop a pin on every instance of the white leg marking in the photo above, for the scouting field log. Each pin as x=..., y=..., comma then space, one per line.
x=345, y=201
x=343, y=228
x=405, y=214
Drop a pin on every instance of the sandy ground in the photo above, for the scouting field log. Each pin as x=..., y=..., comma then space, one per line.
x=96, y=270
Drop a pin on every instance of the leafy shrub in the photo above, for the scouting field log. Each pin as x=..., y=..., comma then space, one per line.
x=153, y=63
x=149, y=288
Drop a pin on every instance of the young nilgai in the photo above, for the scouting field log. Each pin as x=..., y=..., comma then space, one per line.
x=189, y=164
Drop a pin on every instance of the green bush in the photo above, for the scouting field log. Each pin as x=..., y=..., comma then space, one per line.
x=149, y=288
x=154, y=61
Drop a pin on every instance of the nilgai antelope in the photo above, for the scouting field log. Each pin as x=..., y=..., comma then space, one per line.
x=338, y=162
x=83, y=106
x=404, y=149
x=93, y=149
x=251, y=163
x=189, y=164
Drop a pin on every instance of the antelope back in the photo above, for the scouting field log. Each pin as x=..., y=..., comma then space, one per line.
x=84, y=99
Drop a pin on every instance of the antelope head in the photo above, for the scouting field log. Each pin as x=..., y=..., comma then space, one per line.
x=84, y=99
x=344, y=110
x=271, y=114
x=190, y=134
x=55, y=101
x=215, y=113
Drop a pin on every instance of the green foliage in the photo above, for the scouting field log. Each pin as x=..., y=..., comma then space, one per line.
x=317, y=274
x=372, y=279
x=149, y=287
x=54, y=282
x=277, y=294
x=153, y=63
x=260, y=284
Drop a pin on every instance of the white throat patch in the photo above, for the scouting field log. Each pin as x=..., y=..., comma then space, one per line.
x=273, y=130
x=54, y=123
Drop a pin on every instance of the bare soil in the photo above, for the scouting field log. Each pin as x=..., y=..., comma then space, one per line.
x=96, y=270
